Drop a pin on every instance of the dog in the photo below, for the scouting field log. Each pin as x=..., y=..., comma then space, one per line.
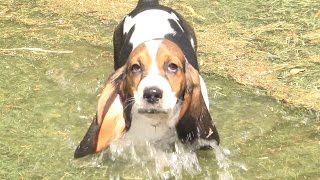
x=156, y=91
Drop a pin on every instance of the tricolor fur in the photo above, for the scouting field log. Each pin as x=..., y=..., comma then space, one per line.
x=156, y=91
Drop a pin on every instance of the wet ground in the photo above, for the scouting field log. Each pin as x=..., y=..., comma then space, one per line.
x=52, y=68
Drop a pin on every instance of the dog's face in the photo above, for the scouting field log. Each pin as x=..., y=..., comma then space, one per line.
x=155, y=76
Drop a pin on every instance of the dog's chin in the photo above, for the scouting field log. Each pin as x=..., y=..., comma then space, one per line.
x=152, y=111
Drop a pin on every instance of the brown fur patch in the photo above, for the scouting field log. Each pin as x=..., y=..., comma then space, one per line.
x=168, y=53
x=139, y=56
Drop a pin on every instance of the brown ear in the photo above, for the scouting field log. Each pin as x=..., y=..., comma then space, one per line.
x=109, y=122
x=195, y=120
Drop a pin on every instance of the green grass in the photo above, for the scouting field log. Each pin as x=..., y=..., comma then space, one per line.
x=259, y=43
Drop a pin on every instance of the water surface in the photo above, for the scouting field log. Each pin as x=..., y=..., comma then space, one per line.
x=47, y=100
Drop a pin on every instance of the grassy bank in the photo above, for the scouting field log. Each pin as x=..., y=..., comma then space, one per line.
x=272, y=45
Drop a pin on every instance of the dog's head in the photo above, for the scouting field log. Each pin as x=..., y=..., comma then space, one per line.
x=157, y=78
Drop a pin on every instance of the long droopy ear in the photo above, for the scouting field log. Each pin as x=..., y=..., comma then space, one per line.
x=194, y=118
x=109, y=122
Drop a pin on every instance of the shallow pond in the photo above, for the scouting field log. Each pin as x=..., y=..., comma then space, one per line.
x=47, y=100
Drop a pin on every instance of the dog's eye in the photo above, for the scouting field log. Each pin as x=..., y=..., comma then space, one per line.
x=135, y=68
x=172, y=68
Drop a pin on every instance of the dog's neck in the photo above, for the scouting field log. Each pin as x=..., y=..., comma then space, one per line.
x=153, y=127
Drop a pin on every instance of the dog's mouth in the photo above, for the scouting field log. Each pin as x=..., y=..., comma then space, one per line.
x=152, y=111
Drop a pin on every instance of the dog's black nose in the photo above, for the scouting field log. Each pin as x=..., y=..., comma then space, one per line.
x=152, y=94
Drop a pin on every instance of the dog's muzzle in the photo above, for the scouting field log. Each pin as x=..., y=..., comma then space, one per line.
x=152, y=97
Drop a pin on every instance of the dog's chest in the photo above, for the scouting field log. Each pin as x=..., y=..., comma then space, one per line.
x=151, y=127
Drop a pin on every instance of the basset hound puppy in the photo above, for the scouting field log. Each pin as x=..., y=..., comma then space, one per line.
x=156, y=91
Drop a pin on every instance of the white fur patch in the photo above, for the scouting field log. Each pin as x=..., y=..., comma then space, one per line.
x=192, y=43
x=204, y=91
x=149, y=24
x=153, y=47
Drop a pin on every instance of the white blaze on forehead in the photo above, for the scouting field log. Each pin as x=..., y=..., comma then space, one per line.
x=149, y=24
x=153, y=47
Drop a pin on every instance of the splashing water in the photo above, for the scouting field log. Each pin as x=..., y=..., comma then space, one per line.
x=155, y=160
x=164, y=162
x=223, y=162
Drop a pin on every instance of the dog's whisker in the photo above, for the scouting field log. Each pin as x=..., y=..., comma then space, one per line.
x=129, y=104
x=130, y=99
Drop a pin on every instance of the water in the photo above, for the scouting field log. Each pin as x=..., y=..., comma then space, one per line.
x=47, y=100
